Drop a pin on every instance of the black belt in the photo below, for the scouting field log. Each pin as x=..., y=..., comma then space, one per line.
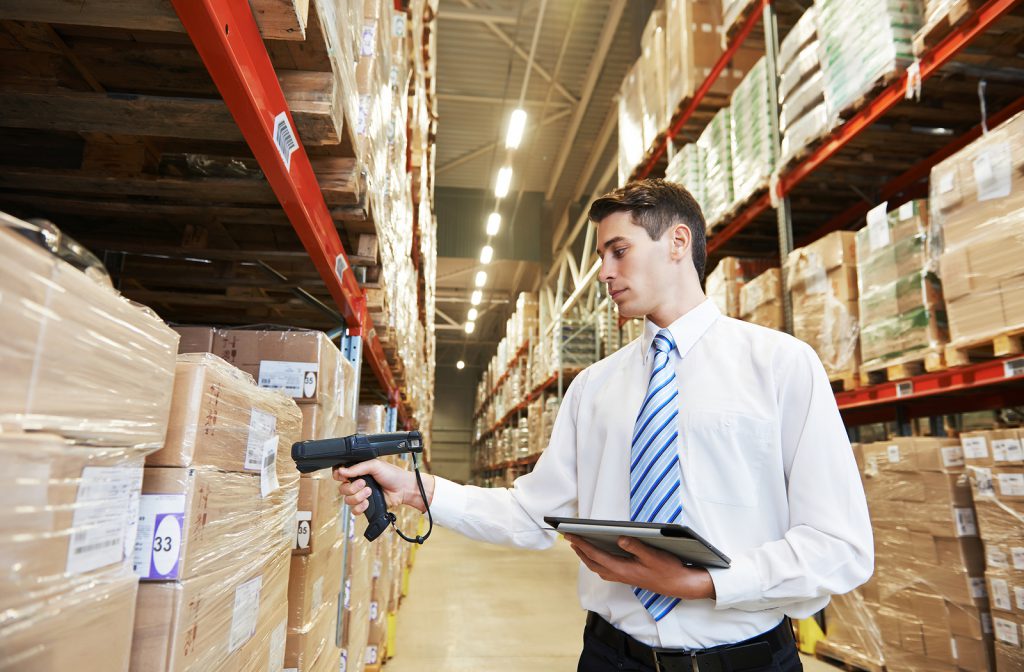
x=751, y=654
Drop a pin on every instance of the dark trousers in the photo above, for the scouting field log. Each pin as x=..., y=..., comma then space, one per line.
x=599, y=657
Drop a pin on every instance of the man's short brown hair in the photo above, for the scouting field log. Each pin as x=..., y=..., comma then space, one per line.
x=657, y=205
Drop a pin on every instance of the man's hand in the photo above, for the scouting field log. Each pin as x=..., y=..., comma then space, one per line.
x=649, y=568
x=399, y=486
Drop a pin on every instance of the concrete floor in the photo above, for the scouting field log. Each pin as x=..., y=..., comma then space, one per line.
x=474, y=606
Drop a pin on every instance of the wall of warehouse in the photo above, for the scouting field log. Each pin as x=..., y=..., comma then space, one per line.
x=453, y=422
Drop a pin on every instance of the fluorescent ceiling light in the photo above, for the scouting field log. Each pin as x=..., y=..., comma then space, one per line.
x=470, y=326
x=503, y=182
x=472, y=315
x=493, y=224
x=486, y=254
x=476, y=298
x=481, y=278
x=516, y=126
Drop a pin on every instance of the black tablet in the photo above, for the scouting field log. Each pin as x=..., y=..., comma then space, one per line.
x=678, y=540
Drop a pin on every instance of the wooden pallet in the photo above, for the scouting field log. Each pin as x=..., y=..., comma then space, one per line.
x=933, y=33
x=1006, y=344
x=741, y=18
x=933, y=360
x=844, y=381
x=845, y=659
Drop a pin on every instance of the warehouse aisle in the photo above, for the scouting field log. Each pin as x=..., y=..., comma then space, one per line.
x=474, y=606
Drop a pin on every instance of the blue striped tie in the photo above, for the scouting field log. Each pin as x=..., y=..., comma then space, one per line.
x=654, y=485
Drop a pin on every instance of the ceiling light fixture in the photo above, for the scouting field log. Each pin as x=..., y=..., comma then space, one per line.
x=470, y=326
x=471, y=317
x=460, y=365
x=504, y=181
x=481, y=278
x=516, y=126
x=476, y=298
x=493, y=224
x=486, y=254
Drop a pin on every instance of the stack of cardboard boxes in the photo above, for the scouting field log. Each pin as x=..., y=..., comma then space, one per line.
x=761, y=300
x=751, y=121
x=686, y=168
x=933, y=612
x=89, y=374
x=726, y=281
x=995, y=461
x=902, y=314
x=715, y=144
x=804, y=114
x=216, y=525
x=977, y=205
x=822, y=280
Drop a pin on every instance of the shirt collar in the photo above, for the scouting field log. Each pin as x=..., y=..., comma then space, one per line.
x=686, y=331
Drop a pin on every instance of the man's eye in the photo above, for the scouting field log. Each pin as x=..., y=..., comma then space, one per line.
x=618, y=254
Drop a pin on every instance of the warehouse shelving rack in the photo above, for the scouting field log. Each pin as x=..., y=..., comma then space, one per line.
x=229, y=42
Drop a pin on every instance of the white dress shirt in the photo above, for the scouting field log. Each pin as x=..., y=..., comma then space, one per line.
x=768, y=477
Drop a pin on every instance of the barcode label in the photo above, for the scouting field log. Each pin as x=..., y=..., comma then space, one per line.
x=1014, y=367
x=904, y=389
x=262, y=426
x=89, y=548
x=268, y=474
x=104, y=513
x=965, y=524
x=284, y=138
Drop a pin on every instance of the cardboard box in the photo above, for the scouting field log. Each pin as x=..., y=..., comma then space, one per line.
x=80, y=360
x=761, y=300
x=87, y=629
x=915, y=454
x=1006, y=591
x=198, y=519
x=219, y=418
x=312, y=580
x=319, y=514
x=309, y=647
x=195, y=339
x=356, y=595
x=210, y=621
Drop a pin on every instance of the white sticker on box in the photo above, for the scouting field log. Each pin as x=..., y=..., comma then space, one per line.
x=244, y=613
x=952, y=456
x=986, y=623
x=1011, y=485
x=975, y=447
x=1018, y=597
x=906, y=211
x=878, y=226
x=131, y=531
x=952, y=646
x=1018, y=557
x=268, y=472
x=995, y=557
x=363, y=119
x=278, y=640
x=894, y=453
x=993, y=171
x=377, y=566
x=296, y=379
x=371, y=655
x=983, y=482
x=318, y=592
x=1006, y=631
x=398, y=25
x=965, y=524
x=368, y=41
x=262, y=426
x=344, y=661
x=1007, y=450
x=157, y=551
x=1000, y=594
x=347, y=601
x=374, y=610
x=946, y=182
x=303, y=532
x=976, y=585
x=101, y=518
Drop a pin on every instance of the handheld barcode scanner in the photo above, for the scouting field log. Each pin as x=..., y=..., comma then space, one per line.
x=312, y=456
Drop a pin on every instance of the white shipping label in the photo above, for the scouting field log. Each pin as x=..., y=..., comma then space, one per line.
x=965, y=524
x=296, y=379
x=377, y=566
x=157, y=551
x=398, y=25
x=993, y=170
x=1000, y=594
x=374, y=610
x=995, y=557
x=952, y=456
x=347, y=601
x=363, y=119
x=268, y=472
x=318, y=592
x=278, y=639
x=906, y=211
x=371, y=655
x=878, y=226
x=952, y=646
x=946, y=182
x=1011, y=485
x=1006, y=631
x=368, y=40
x=131, y=530
x=977, y=587
x=302, y=532
x=344, y=661
x=100, y=521
x=983, y=481
x=244, y=613
x=975, y=447
x=894, y=453
x=261, y=427
x=1018, y=557
x=1007, y=450
x=1018, y=597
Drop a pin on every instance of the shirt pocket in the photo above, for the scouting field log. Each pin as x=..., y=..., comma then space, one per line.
x=725, y=455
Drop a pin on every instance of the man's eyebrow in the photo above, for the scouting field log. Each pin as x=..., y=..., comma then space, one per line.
x=607, y=243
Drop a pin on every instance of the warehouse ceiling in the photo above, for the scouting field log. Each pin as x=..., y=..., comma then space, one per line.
x=583, y=51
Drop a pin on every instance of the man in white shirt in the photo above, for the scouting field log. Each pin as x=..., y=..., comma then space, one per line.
x=724, y=426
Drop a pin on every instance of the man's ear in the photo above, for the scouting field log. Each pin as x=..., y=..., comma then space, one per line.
x=680, y=241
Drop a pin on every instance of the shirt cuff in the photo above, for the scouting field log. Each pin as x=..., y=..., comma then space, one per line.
x=448, y=505
x=736, y=584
